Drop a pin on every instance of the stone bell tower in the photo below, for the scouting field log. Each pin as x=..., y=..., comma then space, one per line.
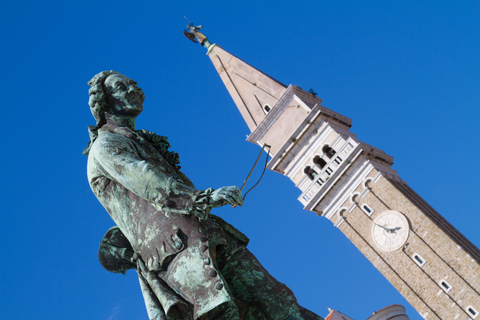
x=351, y=183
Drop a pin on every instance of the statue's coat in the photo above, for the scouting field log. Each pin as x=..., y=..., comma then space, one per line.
x=153, y=203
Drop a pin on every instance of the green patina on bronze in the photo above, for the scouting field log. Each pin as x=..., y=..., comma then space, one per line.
x=191, y=264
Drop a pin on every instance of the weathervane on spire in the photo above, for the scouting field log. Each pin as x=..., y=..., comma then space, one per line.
x=194, y=33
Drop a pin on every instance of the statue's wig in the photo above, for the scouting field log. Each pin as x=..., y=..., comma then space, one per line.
x=98, y=96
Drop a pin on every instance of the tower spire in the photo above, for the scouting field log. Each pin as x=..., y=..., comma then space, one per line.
x=254, y=92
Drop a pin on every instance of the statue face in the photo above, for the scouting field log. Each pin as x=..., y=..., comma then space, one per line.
x=124, y=95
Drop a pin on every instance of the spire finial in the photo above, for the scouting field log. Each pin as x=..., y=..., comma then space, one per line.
x=194, y=33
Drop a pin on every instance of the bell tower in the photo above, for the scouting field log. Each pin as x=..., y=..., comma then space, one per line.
x=351, y=183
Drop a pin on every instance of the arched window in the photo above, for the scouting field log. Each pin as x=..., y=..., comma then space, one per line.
x=310, y=172
x=266, y=108
x=328, y=151
x=367, y=209
x=445, y=286
x=319, y=162
x=472, y=312
x=419, y=259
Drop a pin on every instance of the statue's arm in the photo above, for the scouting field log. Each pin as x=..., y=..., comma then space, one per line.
x=120, y=160
x=185, y=179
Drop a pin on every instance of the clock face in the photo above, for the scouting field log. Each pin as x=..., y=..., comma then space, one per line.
x=390, y=230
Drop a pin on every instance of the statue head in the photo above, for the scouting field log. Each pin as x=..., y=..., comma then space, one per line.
x=113, y=93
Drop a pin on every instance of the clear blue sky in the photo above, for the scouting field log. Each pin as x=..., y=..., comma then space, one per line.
x=406, y=72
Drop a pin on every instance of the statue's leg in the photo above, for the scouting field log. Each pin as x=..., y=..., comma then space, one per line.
x=193, y=275
x=252, y=284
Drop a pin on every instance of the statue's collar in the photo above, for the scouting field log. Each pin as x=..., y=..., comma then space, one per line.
x=160, y=143
x=94, y=131
x=124, y=131
x=151, y=137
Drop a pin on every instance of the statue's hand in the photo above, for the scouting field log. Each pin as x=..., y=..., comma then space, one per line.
x=226, y=195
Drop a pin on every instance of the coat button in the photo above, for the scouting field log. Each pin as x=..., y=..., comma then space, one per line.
x=203, y=248
x=202, y=230
x=206, y=261
x=219, y=286
x=169, y=170
x=178, y=245
x=212, y=273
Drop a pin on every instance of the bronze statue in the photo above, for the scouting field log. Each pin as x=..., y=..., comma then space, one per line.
x=191, y=264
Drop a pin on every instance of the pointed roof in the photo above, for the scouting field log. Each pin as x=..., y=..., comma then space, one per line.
x=251, y=89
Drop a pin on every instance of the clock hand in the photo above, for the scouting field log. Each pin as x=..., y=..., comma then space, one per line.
x=386, y=229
